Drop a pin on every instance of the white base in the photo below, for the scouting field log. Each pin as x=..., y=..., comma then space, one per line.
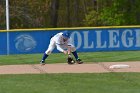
x=119, y=66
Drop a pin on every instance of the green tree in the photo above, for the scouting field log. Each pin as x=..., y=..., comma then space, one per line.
x=114, y=12
x=2, y=15
x=70, y=13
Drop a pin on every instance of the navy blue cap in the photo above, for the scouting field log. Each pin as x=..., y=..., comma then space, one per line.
x=66, y=34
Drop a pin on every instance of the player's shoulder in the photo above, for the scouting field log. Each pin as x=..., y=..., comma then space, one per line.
x=58, y=35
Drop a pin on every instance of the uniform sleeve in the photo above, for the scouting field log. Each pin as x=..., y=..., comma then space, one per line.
x=59, y=48
x=58, y=42
x=57, y=39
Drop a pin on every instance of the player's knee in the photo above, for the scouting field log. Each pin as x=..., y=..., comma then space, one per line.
x=73, y=49
x=48, y=52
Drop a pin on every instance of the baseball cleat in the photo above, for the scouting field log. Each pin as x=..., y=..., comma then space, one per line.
x=79, y=61
x=42, y=62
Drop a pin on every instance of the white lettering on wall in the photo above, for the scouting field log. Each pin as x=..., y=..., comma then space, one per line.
x=99, y=40
x=115, y=38
x=129, y=39
x=113, y=41
x=79, y=39
x=137, y=38
x=86, y=41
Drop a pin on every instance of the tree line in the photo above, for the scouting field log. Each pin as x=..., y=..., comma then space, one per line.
x=70, y=13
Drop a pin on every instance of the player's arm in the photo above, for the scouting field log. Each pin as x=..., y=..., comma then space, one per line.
x=58, y=44
x=69, y=46
x=61, y=49
x=69, y=49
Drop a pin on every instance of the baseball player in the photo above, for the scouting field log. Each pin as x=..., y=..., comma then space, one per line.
x=62, y=41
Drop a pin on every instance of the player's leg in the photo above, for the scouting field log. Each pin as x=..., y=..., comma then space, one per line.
x=47, y=52
x=74, y=52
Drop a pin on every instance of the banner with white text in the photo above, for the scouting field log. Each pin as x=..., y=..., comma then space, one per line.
x=85, y=40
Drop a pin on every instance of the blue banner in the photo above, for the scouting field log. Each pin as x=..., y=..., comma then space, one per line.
x=85, y=40
x=107, y=39
x=3, y=43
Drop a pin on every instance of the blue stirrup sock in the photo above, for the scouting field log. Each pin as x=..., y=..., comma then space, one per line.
x=44, y=56
x=75, y=55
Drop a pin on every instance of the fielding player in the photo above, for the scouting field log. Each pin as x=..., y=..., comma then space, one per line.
x=62, y=41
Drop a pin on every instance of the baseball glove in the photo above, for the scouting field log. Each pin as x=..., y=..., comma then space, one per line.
x=70, y=60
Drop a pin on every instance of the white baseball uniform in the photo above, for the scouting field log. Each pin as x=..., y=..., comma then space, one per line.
x=59, y=42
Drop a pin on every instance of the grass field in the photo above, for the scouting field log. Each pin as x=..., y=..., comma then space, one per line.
x=61, y=58
x=71, y=83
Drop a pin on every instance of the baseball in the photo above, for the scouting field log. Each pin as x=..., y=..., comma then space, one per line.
x=72, y=61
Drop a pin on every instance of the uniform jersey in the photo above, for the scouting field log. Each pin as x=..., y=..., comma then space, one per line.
x=60, y=42
x=59, y=39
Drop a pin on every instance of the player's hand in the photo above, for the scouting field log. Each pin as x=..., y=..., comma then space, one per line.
x=65, y=52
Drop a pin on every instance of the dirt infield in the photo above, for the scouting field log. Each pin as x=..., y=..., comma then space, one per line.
x=102, y=67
